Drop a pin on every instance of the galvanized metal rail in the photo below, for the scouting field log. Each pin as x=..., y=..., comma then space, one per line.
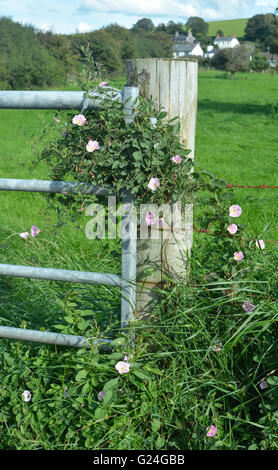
x=72, y=100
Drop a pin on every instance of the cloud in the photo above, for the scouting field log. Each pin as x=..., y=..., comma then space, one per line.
x=84, y=27
x=266, y=3
x=148, y=8
x=45, y=27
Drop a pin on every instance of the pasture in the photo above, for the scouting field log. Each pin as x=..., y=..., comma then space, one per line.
x=201, y=362
x=229, y=27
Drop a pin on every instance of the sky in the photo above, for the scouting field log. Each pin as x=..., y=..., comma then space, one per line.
x=71, y=16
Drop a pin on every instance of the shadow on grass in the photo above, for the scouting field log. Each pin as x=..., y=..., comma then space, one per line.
x=270, y=110
x=27, y=302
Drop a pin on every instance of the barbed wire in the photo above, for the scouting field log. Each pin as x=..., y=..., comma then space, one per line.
x=261, y=186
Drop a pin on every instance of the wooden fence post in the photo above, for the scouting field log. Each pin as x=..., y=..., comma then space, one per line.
x=173, y=85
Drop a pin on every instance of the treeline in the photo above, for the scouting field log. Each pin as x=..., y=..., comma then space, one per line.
x=263, y=31
x=30, y=58
x=24, y=61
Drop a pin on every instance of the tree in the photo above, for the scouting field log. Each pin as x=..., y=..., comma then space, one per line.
x=197, y=25
x=254, y=29
x=125, y=39
x=144, y=24
x=232, y=60
x=161, y=27
x=25, y=62
x=271, y=34
x=173, y=27
x=220, y=33
x=103, y=47
x=259, y=63
x=262, y=28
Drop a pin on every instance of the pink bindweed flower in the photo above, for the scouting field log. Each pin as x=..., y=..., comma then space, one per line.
x=24, y=235
x=34, y=231
x=177, y=159
x=211, y=431
x=55, y=119
x=260, y=244
x=26, y=395
x=264, y=384
x=92, y=145
x=247, y=306
x=238, y=256
x=101, y=395
x=79, y=120
x=232, y=228
x=122, y=367
x=150, y=218
x=153, y=184
x=217, y=346
x=235, y=211
x=103, y=84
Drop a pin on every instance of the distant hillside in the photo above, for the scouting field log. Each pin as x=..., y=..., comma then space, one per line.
x=229, y=27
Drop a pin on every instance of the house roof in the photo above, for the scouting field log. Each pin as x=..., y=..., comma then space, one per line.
x=179, y=37
x=184, y=47
x=182, y=38
x=224, y=38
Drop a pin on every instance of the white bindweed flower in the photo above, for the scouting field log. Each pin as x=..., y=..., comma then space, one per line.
x=26, y=395
x=122, y=367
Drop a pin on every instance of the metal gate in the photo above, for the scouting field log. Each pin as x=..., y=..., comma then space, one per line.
x=60, y=100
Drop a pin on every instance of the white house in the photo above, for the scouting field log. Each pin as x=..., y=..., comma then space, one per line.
x=226, y=42
x=185, y=46
x=210, y=52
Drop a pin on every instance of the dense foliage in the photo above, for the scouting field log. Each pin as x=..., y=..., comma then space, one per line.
x=264, y=30
x=119, y=156
x=232, y=60
x=24, y=62
x=30, y=58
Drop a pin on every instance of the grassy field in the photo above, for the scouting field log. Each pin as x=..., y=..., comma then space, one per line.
x=181, y=382
x=237, y=140
x=229, y=27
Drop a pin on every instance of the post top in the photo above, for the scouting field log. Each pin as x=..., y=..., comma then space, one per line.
x=169, y=59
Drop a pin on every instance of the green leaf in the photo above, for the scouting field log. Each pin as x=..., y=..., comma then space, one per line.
x=100, y=413
x=86, y=387
x=82, y=324
x=160, y=441
x=153, y=370
x=81, y=375
x=108, y=398
x=162, y=115
x=137, y=155
x=116, y=356
x=141, y=374
x=111, y=384
x=176, y=128
x=156, y=423
x=272, y=380
x=118, y=341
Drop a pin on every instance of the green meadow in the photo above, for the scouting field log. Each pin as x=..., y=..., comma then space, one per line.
x=181, y=384
x=236, y=139
x=229, y=27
